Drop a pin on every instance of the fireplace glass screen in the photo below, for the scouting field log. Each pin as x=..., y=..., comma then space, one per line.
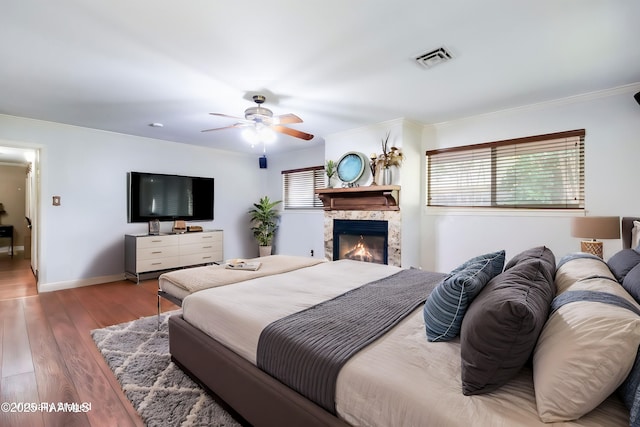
x=360, y=240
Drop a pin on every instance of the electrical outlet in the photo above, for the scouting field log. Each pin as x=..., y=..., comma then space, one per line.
x=311, y=251
x=56, y=200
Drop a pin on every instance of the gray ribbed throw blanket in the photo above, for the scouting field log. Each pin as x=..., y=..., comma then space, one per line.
x=306, y=350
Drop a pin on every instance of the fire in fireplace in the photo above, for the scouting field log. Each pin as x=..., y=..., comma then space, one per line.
x=360, y=240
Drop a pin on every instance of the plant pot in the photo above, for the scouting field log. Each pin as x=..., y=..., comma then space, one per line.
x=265, y=250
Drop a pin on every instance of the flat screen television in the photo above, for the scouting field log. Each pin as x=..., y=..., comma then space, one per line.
x=169, y=197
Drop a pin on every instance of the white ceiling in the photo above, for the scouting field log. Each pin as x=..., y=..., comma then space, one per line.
x=120, y=65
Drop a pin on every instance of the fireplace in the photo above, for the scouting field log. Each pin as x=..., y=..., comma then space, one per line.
x=363, y=205
x=361, y=240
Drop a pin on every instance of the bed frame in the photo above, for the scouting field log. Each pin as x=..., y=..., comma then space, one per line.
x=627, y=226
x=257, y=397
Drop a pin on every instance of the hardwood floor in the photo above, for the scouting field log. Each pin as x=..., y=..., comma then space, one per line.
x=16, y=279
x=47, y=354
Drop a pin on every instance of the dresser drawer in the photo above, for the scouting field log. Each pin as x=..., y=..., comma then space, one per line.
x=6, y=231
x=201, y=237
x=157, y=264
x=158, y=252
x=155, y=241
x=201, y=258
x=206, y=247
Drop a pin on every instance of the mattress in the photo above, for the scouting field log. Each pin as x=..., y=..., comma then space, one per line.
x=401, y=379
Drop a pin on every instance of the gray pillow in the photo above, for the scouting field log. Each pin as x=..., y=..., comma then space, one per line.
x=631, y=282
x=446, y=305
x=502, y=325
x=539, y=252
x=622, y=262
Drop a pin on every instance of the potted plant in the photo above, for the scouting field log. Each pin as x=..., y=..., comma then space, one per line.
x=264, y=220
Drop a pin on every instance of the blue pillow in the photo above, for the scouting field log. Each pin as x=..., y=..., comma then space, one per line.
x=446, y=305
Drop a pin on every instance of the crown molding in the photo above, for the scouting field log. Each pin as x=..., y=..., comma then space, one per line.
x=574, y=99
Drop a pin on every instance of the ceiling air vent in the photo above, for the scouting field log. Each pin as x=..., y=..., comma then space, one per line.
x=433, y=58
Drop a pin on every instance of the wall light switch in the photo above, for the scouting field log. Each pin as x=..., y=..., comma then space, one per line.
x=56, y=200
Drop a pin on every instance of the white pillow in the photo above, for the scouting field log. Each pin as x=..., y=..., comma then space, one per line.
x=585, y=351
x=635, y=235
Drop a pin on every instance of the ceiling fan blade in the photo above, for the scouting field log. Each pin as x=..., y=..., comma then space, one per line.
x=226, y=115
x=235, y=125
x=286, y=119
x=292, y=132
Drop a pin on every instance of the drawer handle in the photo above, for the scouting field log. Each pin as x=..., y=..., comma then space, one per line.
x=207, y=237
x=156, y=263
x=156, y=252
x=207, y=247
x=156, y=241
x=206, y=257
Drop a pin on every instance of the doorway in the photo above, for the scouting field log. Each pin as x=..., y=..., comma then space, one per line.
x=19, y=195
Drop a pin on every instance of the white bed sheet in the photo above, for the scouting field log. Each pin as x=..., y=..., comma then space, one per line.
x=401, y=380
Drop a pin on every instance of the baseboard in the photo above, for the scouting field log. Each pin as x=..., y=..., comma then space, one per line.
x=16, y=249
x=58, y=286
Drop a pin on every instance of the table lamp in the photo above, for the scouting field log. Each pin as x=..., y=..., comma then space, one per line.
x=595, y=227
x=2, y=212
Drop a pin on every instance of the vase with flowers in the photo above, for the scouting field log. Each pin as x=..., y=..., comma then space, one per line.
x=381, y=164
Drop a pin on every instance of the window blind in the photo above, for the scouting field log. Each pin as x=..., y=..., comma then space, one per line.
x=543, y=171
x=299, y=185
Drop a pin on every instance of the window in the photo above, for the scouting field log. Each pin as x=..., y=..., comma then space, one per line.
x=299, y=185
x=544, y=171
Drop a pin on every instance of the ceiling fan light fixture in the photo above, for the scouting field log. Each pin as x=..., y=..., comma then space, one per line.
x=259, y=134
x=267, y=135
x=250, y=134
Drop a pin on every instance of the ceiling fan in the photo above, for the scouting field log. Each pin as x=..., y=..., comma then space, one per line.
x=260, y=118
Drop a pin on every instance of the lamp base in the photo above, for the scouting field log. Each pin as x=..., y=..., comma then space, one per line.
x=591, y=247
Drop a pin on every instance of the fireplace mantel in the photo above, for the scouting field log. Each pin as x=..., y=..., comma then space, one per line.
x=370, y=198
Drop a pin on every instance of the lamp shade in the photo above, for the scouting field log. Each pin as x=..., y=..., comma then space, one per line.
x=596, y=227
x=2, y=211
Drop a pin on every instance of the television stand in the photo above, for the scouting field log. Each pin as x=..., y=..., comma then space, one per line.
x=149, y=256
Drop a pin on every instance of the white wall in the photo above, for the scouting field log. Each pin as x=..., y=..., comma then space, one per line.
x=300, y=231
x=612, y=147
x=82, y=241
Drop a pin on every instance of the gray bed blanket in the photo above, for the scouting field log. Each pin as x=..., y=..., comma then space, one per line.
x=591, y=296
x=306, y=350
x=577, y=255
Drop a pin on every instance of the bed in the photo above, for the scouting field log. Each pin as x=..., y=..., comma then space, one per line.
x=400, y=379
x=176, y=285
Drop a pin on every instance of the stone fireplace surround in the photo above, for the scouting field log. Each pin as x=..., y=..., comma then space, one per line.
x=365, y=207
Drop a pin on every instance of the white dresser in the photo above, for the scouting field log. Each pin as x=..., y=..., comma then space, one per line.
x=144, y=253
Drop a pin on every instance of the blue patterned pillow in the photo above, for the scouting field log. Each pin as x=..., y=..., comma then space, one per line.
x=446, y=305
